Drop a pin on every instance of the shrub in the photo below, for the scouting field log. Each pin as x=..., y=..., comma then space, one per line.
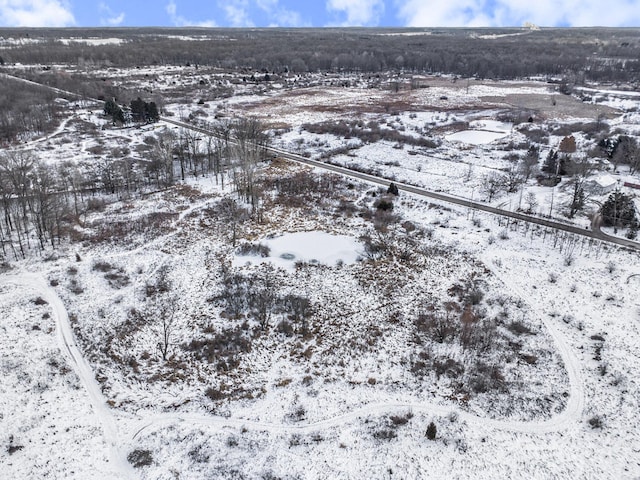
x=254, y=249
x=40, y=301
x=383, y=204
x=432, y=431
x=385, y=434
x=596, y=422
x=520, y=328
x=215, y=394
x=102, y=267
x=140, y=458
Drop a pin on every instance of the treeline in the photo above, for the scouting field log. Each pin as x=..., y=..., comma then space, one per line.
x=603, y=54
x=41, y=203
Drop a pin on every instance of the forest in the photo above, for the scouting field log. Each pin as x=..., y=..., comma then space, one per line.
x=597, y=54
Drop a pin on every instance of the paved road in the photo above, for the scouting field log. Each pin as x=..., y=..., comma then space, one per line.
x=595, y=233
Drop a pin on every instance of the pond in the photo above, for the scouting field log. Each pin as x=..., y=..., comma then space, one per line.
x=312, y=247
x=486, y=131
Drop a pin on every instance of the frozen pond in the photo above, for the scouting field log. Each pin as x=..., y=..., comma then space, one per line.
x=314, y=247
x=475, y=137
x=486, y=131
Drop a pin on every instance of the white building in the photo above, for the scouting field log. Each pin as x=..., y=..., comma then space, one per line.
x=602, y=185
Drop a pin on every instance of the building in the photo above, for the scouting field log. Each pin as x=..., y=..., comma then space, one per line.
x=602, y=185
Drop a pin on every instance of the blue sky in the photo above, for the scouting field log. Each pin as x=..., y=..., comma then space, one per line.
x=319, y=13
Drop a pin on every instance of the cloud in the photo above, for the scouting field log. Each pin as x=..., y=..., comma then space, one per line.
x=36, y=13
x=236, y=12
x=179, y=21
x=494, y=13
x=280, y=16
x=112, y=19
x=358, y=12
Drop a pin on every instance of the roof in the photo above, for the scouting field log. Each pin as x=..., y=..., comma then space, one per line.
x=605, y=181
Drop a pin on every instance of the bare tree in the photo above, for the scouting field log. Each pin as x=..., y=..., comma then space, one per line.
x=250, y=144
x=232, y=214
x=262, y=294
x=162, y=158
x=492, y=184
x=164, y=311
x=532, y=202
x=528, y=164
x=160, y=311
x=299, y=309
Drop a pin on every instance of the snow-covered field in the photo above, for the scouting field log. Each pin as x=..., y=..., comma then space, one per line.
x=548, y=388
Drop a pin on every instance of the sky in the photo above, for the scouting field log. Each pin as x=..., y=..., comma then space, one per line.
x=319, y=13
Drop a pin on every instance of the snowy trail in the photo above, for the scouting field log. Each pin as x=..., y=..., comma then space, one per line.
x=572, y=413
x=67, y=345
x=31, y=143
x=568, y=418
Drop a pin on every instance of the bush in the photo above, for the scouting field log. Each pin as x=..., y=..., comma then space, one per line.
x=596, y=422
x=102, y=267
x=432, y=431
x=519, y=328
x=215, y=394
x=385, y=434
x=254, y=249
x=383, y=204
x=140, y=458
x=40, y=301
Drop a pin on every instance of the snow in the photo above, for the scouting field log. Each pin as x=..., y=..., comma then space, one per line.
x=569, y=291
x=605, y=181
x=484, y=132
x=93, y=41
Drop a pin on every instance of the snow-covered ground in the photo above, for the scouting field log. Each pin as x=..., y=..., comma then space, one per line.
x=83, y=396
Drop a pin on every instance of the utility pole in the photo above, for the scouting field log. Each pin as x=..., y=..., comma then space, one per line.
x=616, y=197
x=553, y=189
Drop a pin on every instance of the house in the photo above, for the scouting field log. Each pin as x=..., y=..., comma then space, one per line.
x=602, y=184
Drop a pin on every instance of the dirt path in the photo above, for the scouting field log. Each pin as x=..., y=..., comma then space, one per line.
x=67, y=345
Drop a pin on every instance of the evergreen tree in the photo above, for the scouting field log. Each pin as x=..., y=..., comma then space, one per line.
x=151, y=112
x=619, y=211
x=550, y=163
x=632, y=234
x=110, y=106
x=138, y=110
x=393, y=189
x=118, y=116
x=112, y=109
